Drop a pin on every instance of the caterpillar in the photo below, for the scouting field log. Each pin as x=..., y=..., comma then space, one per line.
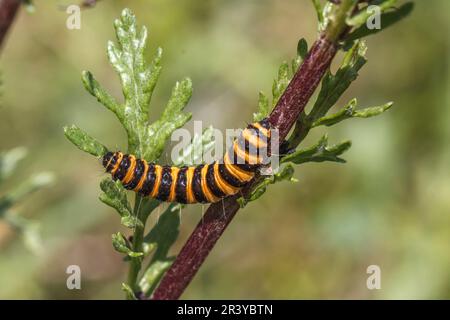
x=205, y=183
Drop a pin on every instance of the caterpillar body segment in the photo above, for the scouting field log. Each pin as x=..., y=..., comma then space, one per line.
x=205, y=183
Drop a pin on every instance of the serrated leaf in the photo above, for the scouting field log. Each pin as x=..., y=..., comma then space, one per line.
x=121, y=245
x=285, y=174
x=387, y=19
x=349, y=112
x=153, y=274
x=129, y=292
x=280, y=83
x=145, y=140
x=115, y=190
x=333, y=86
x=138, y=80
x=114, y=195
x=372, y=111
x=84, y=141
x=263, y=107
x=172, y=118
x=131, y=222
x=361, y=17
x=94, y=88
x=318, y=153
x=200, y=144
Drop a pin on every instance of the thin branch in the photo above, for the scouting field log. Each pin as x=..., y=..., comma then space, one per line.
x=302, y=86
x=286, y=112
x=85, y=4
x=8, y=11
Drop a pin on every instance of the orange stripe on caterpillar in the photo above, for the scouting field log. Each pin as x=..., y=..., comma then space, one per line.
x=203, y=183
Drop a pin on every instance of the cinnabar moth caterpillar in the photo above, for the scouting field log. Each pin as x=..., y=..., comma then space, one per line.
x=203, y=183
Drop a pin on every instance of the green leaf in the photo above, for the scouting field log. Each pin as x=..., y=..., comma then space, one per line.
x=121, y=245
x=280, y=83
x=302, y=48
x=28, y=229
x=114, y=195
x=148, y=248
x=285, y=174
x=349, y=112
x=94, y=88
x=29, y=6
x=263, y=107
x=324, y=15
x=319, y=152
x=138, y=80
x=172, y=118
x=115, y=190
x=361, y=17
x=146, y=205
x=145, y=140
x=199, y=145
x=318, y=8
x=131, y=221
x=387, y=19
x=164, y=233
x=153, y=274
x=302, y=51
x=9, y=161
x=84, y=141
x=128, y=291
x=21, y=192
x=333, y=86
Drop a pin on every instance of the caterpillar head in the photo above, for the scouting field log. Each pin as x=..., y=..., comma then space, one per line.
x=265, y=123
x=109, y=160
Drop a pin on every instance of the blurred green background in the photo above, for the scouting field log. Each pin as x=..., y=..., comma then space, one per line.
x=388, y=206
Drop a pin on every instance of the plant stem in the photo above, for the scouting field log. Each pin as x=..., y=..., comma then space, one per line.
x=284, y=116
x=138, y=237
x=8, y=11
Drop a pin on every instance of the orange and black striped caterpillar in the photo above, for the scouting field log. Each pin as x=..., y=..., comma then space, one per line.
x=205, y=183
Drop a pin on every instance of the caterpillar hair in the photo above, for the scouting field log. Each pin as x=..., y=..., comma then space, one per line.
x=205, y=183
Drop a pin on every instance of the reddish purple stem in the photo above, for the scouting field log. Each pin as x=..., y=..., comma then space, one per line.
x=8, y=11
x=219, y=215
